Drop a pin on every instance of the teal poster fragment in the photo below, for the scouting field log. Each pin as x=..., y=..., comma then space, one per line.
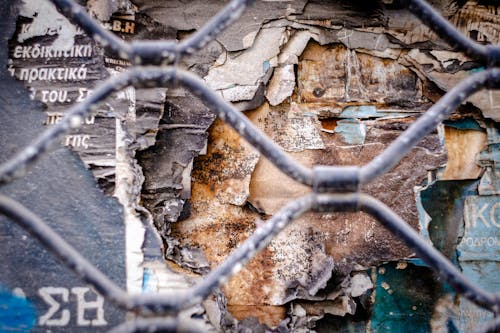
x=479, y=255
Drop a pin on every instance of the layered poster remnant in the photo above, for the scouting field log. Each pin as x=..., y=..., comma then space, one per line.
x=59, y=66
x=333, y=83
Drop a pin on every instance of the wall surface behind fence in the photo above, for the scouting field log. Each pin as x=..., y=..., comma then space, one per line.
x=156, y=178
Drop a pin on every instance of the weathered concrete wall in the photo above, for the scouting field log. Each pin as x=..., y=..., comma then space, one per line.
x=332, y=83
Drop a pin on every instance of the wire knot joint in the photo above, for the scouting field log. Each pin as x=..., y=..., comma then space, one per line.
x=336, y=179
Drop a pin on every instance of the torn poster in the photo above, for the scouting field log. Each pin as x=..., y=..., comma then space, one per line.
x=333, y=83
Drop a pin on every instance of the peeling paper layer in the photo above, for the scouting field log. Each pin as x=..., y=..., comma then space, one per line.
x=47, y=21
x=248, y=69
x=364, y=74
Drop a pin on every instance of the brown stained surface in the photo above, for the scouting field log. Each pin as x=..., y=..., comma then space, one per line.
x=478, y=22
x=227, y=166
x=341, y=76
x=218, y=226
x=394, y=188
x=254, y=288
x=267, y=314
x=300, y=260
x=329, y=124
x=463, y=147
x=354, y=237
x=270, y=188
x=348, y=238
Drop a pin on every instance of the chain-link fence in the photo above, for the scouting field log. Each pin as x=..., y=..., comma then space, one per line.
x=334, y=188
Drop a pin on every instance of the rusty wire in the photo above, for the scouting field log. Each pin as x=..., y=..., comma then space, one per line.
x=334, y=188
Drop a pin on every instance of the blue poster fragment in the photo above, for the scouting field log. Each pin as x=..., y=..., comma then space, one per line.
x=479, y=254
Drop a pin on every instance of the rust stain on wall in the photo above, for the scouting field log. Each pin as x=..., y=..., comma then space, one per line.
x=354, y=236
x=230, y=190
x=341, y=77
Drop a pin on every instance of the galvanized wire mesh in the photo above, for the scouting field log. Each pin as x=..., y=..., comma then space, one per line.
x=334, y=188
